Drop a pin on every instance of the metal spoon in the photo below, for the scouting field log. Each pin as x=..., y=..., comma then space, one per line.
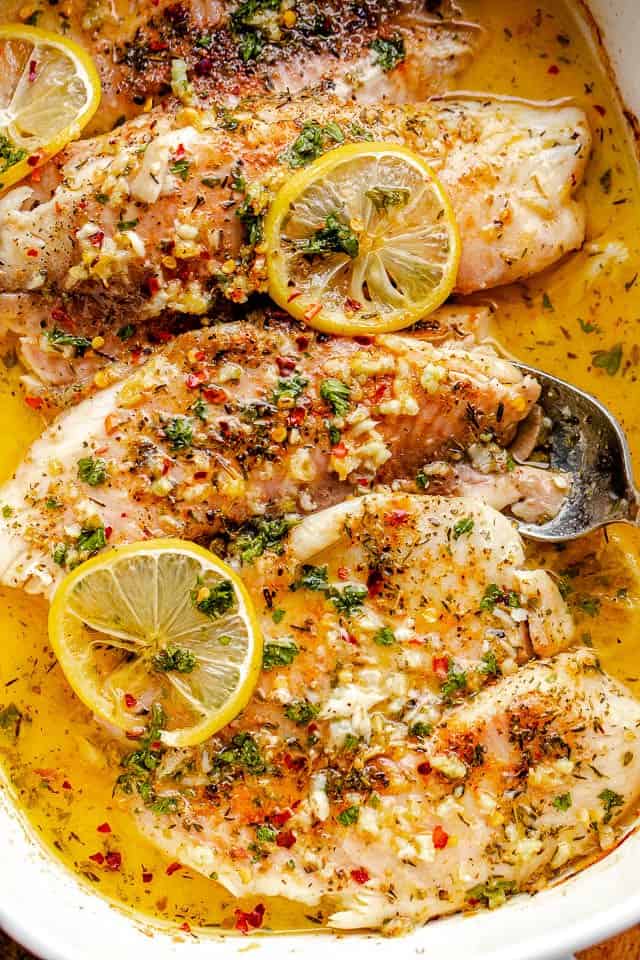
x=588, y=442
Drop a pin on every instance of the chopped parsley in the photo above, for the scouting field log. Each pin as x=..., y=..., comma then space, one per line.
x=10, y=720
x=245, y=24
x=278, y=615
x=93, y=472
x=215, y=600
x=281, y=654
x=9, y=153
x=59, y=339
x=312, y=578
x=199, y=409
x=301, y=712
x=609, y=360
x=174, y=659
x=490, y=666
x=140, y=765
x=311, y=143
x=421, y=730
x=60, y=554
x=257, y=536
x=7, y=511
x=547, y=303
x=562, y=802
x=610, y=800
x=126, y=332
x=179, y=431
x=349, y=600
x=390, y=51
x=289, y=388
x=336, y=394
x=124, y=225
x=251, y=221
x=590, y=606
x=385, y=637
x=335, y=237
x=349, y=816
x=493, y=893
x=241, y=753
x=265, y=833
x=91, y=540
x=463, y=527
x=181, y=168
x=455, y=683
x=493, y=596
x=385, y=197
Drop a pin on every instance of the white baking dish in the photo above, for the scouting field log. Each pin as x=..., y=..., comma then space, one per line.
x=43, y=906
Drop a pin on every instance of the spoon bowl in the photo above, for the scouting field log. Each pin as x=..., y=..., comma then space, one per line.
x=587, y=442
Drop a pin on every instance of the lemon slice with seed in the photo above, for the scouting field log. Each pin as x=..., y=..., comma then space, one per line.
x=49, y=90
x=160, y=622
x=364, y=240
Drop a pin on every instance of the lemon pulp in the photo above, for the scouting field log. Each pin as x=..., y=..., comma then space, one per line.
x=49, y=91
x=363, y=240
x=162, y=622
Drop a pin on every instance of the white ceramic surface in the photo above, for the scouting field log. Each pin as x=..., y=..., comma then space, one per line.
x=43, y=907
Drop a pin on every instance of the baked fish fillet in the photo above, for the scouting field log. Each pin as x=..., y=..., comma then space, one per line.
x=153, y=217
x=396, y=764
x=233, y=422
x=380, y=50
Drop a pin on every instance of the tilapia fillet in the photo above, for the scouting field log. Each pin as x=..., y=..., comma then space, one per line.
x=231, y=422
x=158, y=216
x=381, y=50
x=396, y=764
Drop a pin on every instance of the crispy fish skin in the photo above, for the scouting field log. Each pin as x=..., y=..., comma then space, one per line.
x=158, y=215
x=227, y=423
x=134, y=43
x=434, y=763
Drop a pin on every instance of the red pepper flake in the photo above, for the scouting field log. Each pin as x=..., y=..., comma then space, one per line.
x=151, y=285
x=360, y=875
x=130, y=701
x=601, y=110
x=440, y=838
x=380, y=391
x=280, y=817
x=34, y=402
x=200, y=355
x=302, y=342
x=166, y=466
x=339, y=451
x=203, y=67
x=375, y=582
x=252, y=919
x=134, y=734
x=215, y=395
x=286, y=839
x=180, y=152
x=146, y=877
x=32, y=252
x=349, y=638
x=97, y=858
x=33, y=160
x=66, y=785
x=286, y=364
x=104, y=828
x=194, y=380
x=294, y=763
x=156, y=745
x=440, y=666
x=297, y=416
x=554, y=70
x=113, y=860
x=60, y=315
x=363, y=340
x=33, y=70
x=155, y=46
x=185, y=926
x=108, y=531
x=97, y=239
x=173, y=868
x=396, y=518
x=424, y=768
x=352, y=305
x=36, y=176
x=343, y=573
x=164, y=336
x=200, y=475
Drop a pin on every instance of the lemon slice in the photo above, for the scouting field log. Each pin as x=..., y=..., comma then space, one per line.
x=160, y=622
x=49, y=90
x=364, y=240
